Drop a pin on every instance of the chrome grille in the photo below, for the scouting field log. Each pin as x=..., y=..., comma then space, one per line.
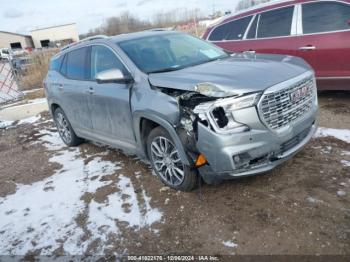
x=277, y=109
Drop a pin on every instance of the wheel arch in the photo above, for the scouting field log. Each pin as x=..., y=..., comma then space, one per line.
x=145, y=122
x=53, y=107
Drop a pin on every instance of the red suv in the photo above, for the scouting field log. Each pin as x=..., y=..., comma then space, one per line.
x=318, y=31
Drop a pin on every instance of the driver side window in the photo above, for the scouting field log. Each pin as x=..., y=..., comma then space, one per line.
x=102, y=59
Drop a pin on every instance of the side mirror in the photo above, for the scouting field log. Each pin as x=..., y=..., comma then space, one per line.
x=112, y=76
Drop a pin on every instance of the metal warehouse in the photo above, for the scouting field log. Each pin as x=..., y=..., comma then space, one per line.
x=15, y=41
x=55, y=35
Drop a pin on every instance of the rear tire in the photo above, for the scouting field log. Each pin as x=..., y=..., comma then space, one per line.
x=166, y=163
x=65, y=129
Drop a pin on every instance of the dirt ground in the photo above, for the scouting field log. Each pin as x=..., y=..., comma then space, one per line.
x=295, y=209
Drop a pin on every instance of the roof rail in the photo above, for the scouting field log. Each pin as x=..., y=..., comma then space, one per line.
x=95, y=37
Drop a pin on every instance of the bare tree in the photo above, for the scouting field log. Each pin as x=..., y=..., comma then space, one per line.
x=126, y=22
x=176, y=17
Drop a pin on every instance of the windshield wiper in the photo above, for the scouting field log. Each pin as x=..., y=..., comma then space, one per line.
x=207, y=61
x=164, y=70
x=175, y=68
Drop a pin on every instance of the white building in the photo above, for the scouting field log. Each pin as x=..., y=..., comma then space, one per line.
x=15, y=41
x=55, y=35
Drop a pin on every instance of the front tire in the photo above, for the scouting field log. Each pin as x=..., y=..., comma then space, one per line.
x=65, y=129
x=166, y=162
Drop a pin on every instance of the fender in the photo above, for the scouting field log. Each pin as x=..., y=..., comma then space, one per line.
x=163, y=123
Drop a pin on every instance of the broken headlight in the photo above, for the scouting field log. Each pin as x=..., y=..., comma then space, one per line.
x=219, y=113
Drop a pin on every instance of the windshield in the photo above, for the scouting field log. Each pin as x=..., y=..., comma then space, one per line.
x=170, y=52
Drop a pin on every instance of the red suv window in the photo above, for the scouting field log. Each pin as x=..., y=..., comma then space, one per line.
x=276, y=22
x=325, y=16
x=233, y=30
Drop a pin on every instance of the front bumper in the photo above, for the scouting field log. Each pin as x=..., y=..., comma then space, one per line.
x=256, y=151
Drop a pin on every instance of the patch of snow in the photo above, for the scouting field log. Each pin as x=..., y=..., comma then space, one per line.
x=42, y=216
x=5, y=124
x=326, y=150
x=13, y=104
x=138, y=174
x=229, y=243
x=345, y=153
x=341, y=134
x=41, y=101
x=29, y=120
x=314, y=200
x=44, y=122
x=345, y=163
x=31, y=91
x=37, y=100
x=341, y=193
x=164, y=189
x=51, y=140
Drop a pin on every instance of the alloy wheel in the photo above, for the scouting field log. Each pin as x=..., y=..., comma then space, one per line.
x=63, y=128
x=166, y=161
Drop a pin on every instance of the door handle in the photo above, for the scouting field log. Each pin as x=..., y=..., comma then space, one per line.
x=90, y=90
x=308, y=47
x=59, y=86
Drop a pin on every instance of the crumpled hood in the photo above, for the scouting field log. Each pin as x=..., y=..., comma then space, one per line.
x=237, y=75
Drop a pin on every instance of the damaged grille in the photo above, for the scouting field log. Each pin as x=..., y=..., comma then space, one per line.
x=284, y=106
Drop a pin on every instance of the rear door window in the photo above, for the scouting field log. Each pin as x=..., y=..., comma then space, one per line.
x=276, y=22
x=55, y=64
x=77, y=64
x=230, y=31
x=325, y=16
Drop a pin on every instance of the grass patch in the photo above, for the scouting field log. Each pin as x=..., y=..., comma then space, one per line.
x=37, y=70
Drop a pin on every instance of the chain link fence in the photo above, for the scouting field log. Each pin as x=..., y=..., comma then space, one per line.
x=9, y=90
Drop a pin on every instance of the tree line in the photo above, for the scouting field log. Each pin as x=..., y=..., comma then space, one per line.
x=128, y=22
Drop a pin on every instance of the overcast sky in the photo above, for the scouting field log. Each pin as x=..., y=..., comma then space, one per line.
x=21, y=16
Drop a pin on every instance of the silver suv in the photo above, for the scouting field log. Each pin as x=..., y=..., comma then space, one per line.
x=192, y=109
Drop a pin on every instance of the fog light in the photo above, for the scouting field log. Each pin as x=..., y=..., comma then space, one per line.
x=201, y=160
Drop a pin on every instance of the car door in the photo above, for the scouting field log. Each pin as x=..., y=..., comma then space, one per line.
x=325, y=38
x=109, y=102
x=272, y=32
x=72, y=90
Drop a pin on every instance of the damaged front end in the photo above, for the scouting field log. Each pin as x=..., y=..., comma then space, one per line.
x=219, y=115
x=245, y=134
x=211, y=108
